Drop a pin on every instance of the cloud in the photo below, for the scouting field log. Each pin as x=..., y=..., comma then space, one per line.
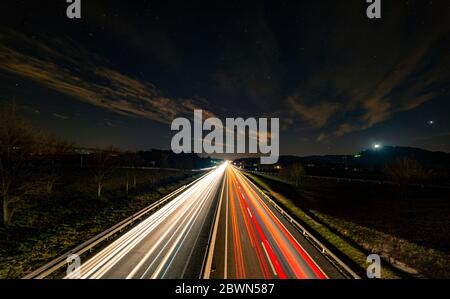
x=64, y=117
x=315, y=115
x=350, y=78
x=439, y=135
x=349, y=104
x=380, y=104
x=87, y=77
x=29, y=109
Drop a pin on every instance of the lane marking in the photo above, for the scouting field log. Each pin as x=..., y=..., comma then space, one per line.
x=179, y=246
x=207, y=270
x=101, y=263
x=272, y=255
x=182, y=217
x=262, y=199
x=192, y=217
x=250, y=213
x=268, y=258
x=169, y=257
x=225, y=270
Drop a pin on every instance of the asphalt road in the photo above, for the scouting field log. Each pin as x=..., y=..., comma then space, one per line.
x=221, y=227
x=171, y=243
x=253, y=240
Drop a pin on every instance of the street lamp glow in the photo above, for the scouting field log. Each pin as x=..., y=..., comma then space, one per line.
x=377, y=146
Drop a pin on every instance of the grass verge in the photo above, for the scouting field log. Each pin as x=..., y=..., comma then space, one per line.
x=23, y=249
x=408, y=232
x=340, y=243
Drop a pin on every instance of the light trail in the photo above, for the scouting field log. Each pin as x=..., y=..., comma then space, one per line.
x=261, y=245
x=153, y=247
x=222, y=219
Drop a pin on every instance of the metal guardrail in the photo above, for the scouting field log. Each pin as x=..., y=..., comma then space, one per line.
x=343, y=179
x=61, y=261
x=167, y=169
x=325, y=251
x=329, y=178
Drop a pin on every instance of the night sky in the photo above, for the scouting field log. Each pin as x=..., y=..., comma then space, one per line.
x=338, y=81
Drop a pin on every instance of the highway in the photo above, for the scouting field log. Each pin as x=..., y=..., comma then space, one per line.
x=220, y=227
x=253, y=240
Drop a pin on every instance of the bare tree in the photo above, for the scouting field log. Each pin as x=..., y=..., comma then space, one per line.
x=18, y=140
x=404, y=172
x=163, y=160
x=152, y=178
x=187, y=164
x=104, y=165
x=293, y=173
x=130, y=163
x=52, y=147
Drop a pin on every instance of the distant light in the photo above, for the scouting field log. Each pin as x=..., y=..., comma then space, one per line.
x=431, y=122
x=376, y=146
x=357, y=156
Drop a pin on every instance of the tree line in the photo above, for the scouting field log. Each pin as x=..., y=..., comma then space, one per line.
x=32, y=162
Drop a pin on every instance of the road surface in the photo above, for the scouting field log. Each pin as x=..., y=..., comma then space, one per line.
x=221, y=227
x=253, y=240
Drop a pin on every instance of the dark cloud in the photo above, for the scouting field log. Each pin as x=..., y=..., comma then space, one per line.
x=86, y=77
x=316, y=114
x=60, y=116
x=329, y=73
x=360, y=77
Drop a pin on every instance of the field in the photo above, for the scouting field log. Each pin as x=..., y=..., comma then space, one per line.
x=408, y=228
x=44, y=227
